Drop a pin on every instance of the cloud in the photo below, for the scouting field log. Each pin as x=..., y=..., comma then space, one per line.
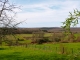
x=48, y=11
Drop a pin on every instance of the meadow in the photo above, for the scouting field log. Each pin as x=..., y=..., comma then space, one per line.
x=37, y=43
x=45, y=51
x=41, y=52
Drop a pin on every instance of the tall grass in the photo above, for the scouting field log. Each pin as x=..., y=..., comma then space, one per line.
x=39, y=52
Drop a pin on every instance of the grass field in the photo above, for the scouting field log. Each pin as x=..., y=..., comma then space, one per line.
x=24, y=37
x=40, y=52
x=46, y=51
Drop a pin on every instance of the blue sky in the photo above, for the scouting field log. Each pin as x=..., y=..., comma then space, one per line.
x=44, y=13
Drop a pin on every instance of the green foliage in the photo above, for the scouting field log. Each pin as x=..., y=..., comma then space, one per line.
x=72, y=20
x=43, y=40
x=57, y=39
x=20, y=39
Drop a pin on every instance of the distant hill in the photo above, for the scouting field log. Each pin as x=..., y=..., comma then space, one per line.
x=48, y=29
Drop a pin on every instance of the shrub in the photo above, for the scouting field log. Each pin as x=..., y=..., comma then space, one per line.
x=20, y=39
x=43, y=40
x=57, y=39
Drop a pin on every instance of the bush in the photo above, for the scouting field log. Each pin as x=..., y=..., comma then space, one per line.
x=43, y=40
x=57, y=39
x=20, y=39
x=65, y=42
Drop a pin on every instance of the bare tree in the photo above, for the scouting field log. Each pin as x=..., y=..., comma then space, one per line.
x=7, y=21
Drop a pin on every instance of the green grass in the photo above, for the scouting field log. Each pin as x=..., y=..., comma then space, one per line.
x=52, y=51
x=57, y=47
x=40, y=52
x=22, y=36
x=27, y=54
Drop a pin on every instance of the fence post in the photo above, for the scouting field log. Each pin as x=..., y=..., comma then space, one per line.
x=56, y=49
x=72, y=50
x=62, y=50
x=44, y=48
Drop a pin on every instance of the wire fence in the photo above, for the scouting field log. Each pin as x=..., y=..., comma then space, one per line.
x=60, y=50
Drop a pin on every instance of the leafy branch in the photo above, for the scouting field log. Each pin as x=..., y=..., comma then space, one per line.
x=72, y=20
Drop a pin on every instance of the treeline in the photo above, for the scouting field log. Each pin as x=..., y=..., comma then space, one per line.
x=31, y=30
x=27, y=30
x=16, y=31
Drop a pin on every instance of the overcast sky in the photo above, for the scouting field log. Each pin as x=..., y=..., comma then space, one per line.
x=44, y=13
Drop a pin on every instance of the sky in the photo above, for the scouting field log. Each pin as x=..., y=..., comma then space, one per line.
x=44, y=13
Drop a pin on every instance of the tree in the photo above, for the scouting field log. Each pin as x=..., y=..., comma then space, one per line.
x=7, y=21
x=72, y=20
